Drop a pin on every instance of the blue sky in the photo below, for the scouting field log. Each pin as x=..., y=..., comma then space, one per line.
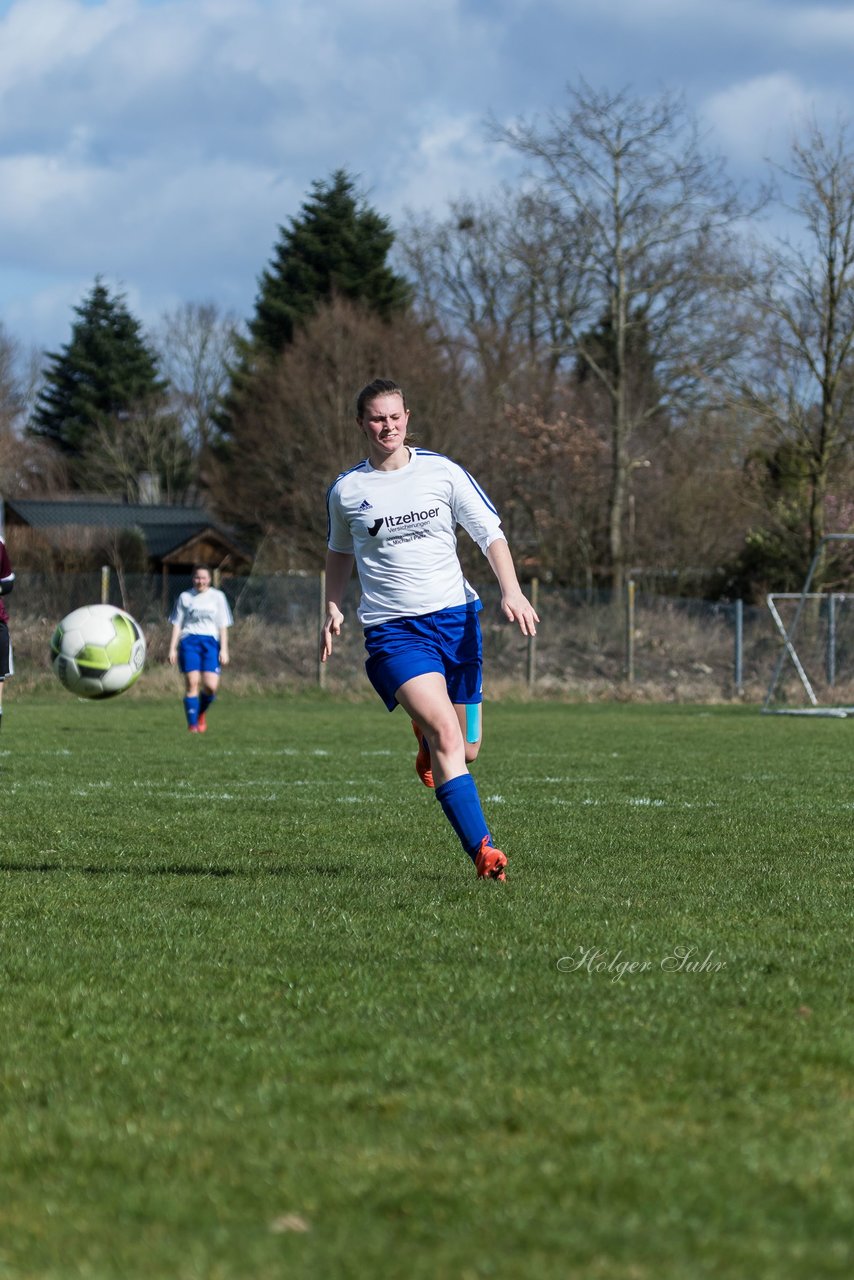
x=161, y=143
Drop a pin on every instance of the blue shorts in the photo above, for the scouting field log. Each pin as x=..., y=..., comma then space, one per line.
x=198, y=653
x=447, y=641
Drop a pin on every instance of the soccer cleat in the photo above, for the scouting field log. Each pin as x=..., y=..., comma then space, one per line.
x=202, y=726
x=422, y=760
x=489, y=862
x=193, y=728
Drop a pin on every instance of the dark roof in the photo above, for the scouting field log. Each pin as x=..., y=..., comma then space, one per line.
x=163, y=526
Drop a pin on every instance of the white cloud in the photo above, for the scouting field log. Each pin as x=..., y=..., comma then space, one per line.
x=162, y=143
x=775, y=28
x=167, y=142
x=144, y=212
x=43, y=35
x=756, y=119
x=449, y=158
x=41, y=313
x=821, y=26
x=753, y=118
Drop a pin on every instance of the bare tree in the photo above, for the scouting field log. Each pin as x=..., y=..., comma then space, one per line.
x=696, y=505
x=802, y=389
x=27, y=466
x=19, y=377
x=554, y=495
x=297, y=430
x=144, y=456
x=657, y=220
x=197, y=346
x=501, y=282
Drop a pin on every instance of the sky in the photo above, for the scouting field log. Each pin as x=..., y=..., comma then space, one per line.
x=161, y=144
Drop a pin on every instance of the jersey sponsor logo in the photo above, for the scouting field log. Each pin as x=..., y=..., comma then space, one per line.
x=193, y=616
x=396, y=522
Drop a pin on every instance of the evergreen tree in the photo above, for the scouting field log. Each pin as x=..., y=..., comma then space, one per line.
x=597, y=361
x=338, y=246
x=105, y=374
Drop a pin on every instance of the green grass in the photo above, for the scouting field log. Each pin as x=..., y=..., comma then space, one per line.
x=259, y=1019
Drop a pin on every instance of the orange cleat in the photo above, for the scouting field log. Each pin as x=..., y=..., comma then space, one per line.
x=203, y=724
x=490, y=862
x=422, y=760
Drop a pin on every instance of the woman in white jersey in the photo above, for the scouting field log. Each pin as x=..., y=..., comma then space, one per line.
x=199, y=644
x=7, y=583
x=395, y=516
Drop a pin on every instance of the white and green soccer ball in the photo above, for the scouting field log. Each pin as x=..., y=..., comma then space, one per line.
x=98, y=651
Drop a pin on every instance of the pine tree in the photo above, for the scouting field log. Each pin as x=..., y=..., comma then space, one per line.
x=106, y=373
x=337, y=246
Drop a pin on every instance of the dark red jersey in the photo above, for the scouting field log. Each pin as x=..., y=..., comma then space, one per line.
x=7, y=577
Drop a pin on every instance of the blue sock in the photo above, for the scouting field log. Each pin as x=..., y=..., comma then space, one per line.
x=461, y=805
x=191, y=709
x=205, y=700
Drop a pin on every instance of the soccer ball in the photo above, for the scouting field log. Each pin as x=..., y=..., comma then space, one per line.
x=98, y=651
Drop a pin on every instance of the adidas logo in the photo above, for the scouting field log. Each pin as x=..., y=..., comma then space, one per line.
x=366, y=506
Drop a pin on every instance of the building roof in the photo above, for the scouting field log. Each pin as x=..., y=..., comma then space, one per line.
x=164, y=527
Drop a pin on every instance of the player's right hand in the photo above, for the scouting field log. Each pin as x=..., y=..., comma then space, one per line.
x=331, y=627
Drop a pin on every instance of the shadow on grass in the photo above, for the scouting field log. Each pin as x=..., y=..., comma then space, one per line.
x=171, y=869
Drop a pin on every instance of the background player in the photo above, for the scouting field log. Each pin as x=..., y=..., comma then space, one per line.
x=199, y=644
x=395, y=515
x=7, y=582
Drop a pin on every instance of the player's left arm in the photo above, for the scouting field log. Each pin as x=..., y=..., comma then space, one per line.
x=473, y=510
x=339, y=567
x=514, y=603
x=7, y=576
x=174, y=637
x=225, y=621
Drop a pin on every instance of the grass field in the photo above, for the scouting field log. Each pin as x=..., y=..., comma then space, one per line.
x=259, y=1019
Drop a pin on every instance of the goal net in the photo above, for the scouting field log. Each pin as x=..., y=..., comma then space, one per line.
x=814, y=670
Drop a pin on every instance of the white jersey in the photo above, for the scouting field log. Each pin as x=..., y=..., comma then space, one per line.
x=201, y=613
x=401, y=528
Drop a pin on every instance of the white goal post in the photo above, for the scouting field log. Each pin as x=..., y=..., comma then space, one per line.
x=789, y=636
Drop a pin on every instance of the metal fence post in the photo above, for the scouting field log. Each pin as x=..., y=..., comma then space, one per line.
x=739, y=647
x=630, y=631
x=321, y=666
x=831, y=640
x=531, y=671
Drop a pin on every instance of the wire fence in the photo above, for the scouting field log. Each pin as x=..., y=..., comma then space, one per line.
x=588, y=645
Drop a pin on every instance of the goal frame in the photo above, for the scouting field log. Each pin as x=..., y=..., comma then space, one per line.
x=788, y=636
